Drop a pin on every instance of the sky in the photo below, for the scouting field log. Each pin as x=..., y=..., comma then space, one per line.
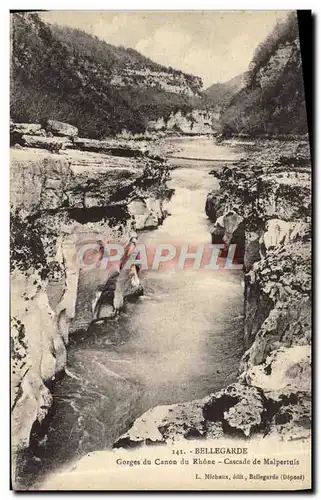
x=215, y=45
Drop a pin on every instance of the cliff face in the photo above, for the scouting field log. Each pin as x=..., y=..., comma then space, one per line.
x=59, y=202
x=173, y=81
x=65, y=74
x=195, y=122
x=273, y=87
x=272, y=194
x=264, y=205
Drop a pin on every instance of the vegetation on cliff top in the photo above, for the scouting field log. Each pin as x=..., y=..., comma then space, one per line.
x=65, y=74
x=272, y=101
x=68, y=75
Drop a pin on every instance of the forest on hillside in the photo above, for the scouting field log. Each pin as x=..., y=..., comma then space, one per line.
x=272, y=101
x=65, y=74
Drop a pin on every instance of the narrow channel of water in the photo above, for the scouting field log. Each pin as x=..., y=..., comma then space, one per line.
x=180, y=341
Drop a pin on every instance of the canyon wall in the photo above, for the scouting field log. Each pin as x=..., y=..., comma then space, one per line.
x=273, y=87
x=195, y=122
x=61, y=201
x=160, y=78
x=263, y=204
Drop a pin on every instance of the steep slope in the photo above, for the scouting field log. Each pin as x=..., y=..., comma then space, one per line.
x=272, y=101
x=65, y=74
x=220, y=94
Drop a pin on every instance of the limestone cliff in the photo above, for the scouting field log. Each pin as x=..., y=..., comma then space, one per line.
x=274, y=88
x=60, y=202
x=164, y=79
x=263, y=204
x=195, y=122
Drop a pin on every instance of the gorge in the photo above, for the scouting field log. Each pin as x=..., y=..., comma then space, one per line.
x=110, y=377
x=112, y=364
x=117, y=359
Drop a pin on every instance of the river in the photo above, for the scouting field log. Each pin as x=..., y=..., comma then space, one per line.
x=180, y=341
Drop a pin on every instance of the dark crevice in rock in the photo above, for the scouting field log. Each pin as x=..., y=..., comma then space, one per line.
x=127, y=443
x=257, y=308
x=215, y=411
x=113, y=214
x=268, y=369
x=194, y=433
x=271, y=407
x=282, y=418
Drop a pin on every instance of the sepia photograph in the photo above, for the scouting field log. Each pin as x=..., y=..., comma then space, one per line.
x=160, y=250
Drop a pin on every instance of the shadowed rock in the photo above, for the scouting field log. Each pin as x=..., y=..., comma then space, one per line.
x=61, y=128
x=53, y=144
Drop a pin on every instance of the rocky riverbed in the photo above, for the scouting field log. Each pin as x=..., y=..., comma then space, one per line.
x=263, y=203
x=106, y=190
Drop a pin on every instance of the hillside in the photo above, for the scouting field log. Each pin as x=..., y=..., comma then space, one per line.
x=272, y=100
x=65, y=74
x=220, y=94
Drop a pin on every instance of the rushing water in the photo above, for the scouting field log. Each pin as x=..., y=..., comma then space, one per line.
x=180, y=341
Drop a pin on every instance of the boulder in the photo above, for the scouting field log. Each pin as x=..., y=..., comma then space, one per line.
x=93, y=145
x=147, y=213
x=239, y=408
x=163, y=424
x=151, y=222
x=231, y=222
x=279, y=232
x=25, y=128
x=38, y=181
x=62, y=129
x=53, y=144
x=285, y=368
x=155, y=206
x=229, y=229
x=17, y=130
x=110, y=147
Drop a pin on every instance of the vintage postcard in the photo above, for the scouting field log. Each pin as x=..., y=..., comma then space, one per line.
x=160, y=251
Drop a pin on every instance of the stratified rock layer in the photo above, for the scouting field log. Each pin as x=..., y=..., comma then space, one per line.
x=60, y=202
